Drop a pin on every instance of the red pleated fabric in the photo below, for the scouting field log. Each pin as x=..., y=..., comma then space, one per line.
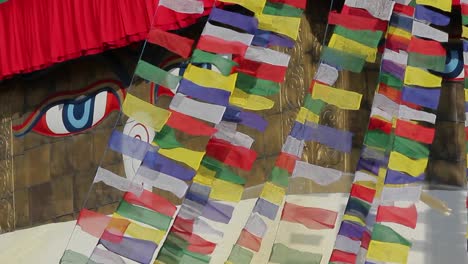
x=37, y=34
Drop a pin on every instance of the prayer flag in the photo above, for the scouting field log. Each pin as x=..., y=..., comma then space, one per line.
x=355, y=22
x=381, y=9
x=92, y=222
x=143, y=215
x=342, y=59
x=362, y=192
x=226, y=191
x=342, y=257
x=406, y=216
x=232, y=42
x=129, y=146
x=235, y=156
x=184, y=6
x=266, y=208
x=444, y=5
x=152, y=201
x=341, y=98
x=166, y=138
x=343, y=44
x=118, y=182
x=250, y=101
x=421, y=77
x=246, y=23
x=135, y=249
x=204, y=111
x=162, y=181
x=320, y=175
x=160, y=163
x=145, y=113
x=206, y=94
x=288, y=26
x=157, y=75
x=249, y=240
x=424, y=97
x=223, y=64
x=189, y=157
x=253, y=85
x=179, y=45
x=254, y=6
x=410, y=148
x=312, y=218
x=279, y=9
x=209, y=78
x=296, y=3
x=285, y=255
x=423, y=30
x=425, y=14
x=189, y=125
x=240, y=255
x=415, y=132
x=400, y=162
x=273, y=193
x=366, y=37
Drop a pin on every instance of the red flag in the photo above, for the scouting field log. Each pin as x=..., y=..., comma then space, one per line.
x=218, y=45
x=249, y=240
x=152, y=201
x=184, y=229
x=236, y=156
x=189, y=125
x=379, y=124
x=366, y=238
x=400, y=215
x=312, y=218
x=426, y=47
x=260, y=70
x=179, y=45
x=286, y=161
x=343, y=257
x=355, y=22
x=92, y=222
x=296, y=3
x=415, y=132
x=396, y=43
x=363, y=193
x=403, y=9
x=390, y=92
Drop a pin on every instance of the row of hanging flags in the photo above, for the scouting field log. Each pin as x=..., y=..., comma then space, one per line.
x=148, y=228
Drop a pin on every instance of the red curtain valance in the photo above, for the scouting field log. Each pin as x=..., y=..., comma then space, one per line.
x=36, y=34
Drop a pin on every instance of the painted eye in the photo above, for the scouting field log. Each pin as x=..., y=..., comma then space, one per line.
x=71, y=113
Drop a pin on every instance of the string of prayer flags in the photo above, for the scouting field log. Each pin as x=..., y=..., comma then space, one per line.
x=157, y=75
x=184, y=6
x=145, y=113
x=181, y=46
x=118, y=182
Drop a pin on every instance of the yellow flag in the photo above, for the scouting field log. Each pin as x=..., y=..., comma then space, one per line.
x=400, y=162
x=445, y=5
x=226, y=191
x=255, y=6
x=347, y=45
x=145, y=113
x=341, y=98
x=273, y=193
x=421, y=77
x=380, y=181
x=388, y=252
x=250, y=101
x=354, y=219
x=465, y=32
x=209, y=78
x=288, y=26
x=399, y=32
x=466, y=95
x=145, y=233
x=306, y=115
x=190, y=157
x=204, y=176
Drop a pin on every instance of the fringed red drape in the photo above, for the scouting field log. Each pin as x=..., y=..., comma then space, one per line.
x=36, y=34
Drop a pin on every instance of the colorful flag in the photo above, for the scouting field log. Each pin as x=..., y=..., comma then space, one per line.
x=406, y=216
x=179, y=45
x=312, y=218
